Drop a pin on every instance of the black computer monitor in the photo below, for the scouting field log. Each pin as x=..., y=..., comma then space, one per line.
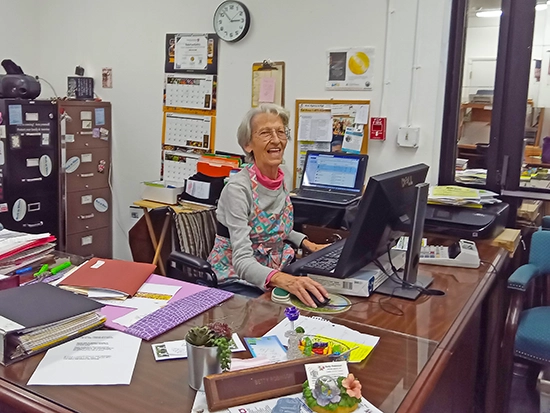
x=393, y=205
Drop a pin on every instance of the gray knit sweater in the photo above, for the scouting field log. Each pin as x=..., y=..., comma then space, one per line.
x=235, y=210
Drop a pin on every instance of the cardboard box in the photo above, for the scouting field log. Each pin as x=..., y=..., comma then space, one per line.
x=508, y=239
x=529, y=210
x=160, y=191
x=364, y=281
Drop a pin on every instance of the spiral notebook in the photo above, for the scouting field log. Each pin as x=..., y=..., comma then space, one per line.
x=318, y=327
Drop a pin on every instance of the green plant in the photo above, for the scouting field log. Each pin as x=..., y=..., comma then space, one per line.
x=213, y=335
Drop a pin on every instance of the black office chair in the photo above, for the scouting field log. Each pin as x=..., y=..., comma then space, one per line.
x=196, y=232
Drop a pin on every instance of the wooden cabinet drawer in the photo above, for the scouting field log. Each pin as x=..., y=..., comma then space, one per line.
x=87, y=210
x=95, y=242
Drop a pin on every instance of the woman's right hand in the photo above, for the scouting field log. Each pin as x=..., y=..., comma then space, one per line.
x=299, y=286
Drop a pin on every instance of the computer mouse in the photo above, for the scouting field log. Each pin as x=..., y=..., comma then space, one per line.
x=317, y=302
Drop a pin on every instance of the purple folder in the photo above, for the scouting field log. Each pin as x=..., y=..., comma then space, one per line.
x=190, y=301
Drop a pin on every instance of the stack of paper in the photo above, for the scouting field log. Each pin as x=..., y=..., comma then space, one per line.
x=472, y=176
x=461, y=196
x=18, y=249
x=461, y=164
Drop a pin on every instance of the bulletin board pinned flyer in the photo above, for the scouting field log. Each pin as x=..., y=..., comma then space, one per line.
x=331, y=126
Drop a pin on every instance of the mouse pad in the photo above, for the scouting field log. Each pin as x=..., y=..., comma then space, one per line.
x=338, y=304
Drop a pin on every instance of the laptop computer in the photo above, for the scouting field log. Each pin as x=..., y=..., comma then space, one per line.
x=332, y=177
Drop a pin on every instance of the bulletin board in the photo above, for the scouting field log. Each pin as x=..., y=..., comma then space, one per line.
x=329, y=125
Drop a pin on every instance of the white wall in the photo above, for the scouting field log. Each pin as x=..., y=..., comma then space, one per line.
x=129, y=37
x=19, y=35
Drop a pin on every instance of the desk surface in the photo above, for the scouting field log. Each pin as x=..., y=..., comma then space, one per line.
x=411, y=350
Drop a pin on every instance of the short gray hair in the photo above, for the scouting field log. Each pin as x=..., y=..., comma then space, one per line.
x=244, y=132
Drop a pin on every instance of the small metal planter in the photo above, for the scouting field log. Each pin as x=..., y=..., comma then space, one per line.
x=202, y=361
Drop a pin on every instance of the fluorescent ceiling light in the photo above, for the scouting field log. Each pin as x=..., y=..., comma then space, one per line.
x=489, y=13
x=540, y=7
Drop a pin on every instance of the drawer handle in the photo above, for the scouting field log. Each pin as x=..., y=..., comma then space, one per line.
x=87, y=175
x=89, y=216
x=31, y=179
x=36, y=224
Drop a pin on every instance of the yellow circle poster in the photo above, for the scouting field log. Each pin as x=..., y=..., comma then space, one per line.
x=358, y=63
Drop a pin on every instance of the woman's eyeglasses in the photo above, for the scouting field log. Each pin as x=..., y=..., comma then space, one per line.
x=268, y=133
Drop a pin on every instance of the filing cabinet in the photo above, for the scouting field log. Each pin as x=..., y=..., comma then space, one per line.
x=55, y=160
x=85, y=129
x=30, y=189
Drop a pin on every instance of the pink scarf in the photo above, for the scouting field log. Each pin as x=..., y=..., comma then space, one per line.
x=268, y=182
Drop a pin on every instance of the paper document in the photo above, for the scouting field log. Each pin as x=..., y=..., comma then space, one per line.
x=267, y=346
x=198, y=189
x=315, y=127
x=177, y=349
x=99, y=358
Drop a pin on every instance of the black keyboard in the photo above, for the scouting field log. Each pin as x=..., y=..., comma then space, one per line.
x=326, y=196
x=326, y=262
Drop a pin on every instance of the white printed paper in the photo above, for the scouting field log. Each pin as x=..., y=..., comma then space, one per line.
x=99, y=358
x=362, y=115
x=86, y=115
x=333, y=369
x=31, y=117
x=198, y=189
x=177, y=349
x=315, y=127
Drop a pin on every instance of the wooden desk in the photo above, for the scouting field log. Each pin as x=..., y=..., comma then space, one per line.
x=146, y=205
x=535, y=161
x=414, y=368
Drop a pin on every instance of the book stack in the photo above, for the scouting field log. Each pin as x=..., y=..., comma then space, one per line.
x=18, y=249
x=34, y=318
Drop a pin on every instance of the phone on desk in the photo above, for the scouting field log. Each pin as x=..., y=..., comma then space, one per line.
x=462, y=253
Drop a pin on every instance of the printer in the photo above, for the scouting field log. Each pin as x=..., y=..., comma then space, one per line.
x=467, y=223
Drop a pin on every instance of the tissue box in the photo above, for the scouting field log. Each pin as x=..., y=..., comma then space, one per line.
x=160, y=191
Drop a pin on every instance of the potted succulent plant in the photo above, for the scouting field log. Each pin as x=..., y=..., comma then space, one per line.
x=208, y=352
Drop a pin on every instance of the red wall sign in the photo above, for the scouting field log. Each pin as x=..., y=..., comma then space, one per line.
x=378, y=128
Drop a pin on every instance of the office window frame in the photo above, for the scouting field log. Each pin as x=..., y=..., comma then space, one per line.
x=505, y=155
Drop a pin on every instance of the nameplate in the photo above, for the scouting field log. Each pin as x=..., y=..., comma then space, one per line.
x=245, y=386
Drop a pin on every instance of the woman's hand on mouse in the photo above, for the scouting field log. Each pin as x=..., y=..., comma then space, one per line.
x=311, y=246
x=299, y=286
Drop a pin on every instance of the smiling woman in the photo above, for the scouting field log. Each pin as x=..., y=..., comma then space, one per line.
x=255, y=215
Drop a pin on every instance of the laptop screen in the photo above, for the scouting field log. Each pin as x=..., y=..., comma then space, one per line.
x=334, y=171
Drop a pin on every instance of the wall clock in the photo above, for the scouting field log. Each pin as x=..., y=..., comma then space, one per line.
x=231, y=20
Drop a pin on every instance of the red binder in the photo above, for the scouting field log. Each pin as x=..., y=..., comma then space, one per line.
x=116, y=275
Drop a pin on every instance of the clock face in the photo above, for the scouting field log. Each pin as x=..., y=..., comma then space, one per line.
x=231, y=20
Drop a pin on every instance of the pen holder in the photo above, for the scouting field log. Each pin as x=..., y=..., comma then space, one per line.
x=202, y=361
